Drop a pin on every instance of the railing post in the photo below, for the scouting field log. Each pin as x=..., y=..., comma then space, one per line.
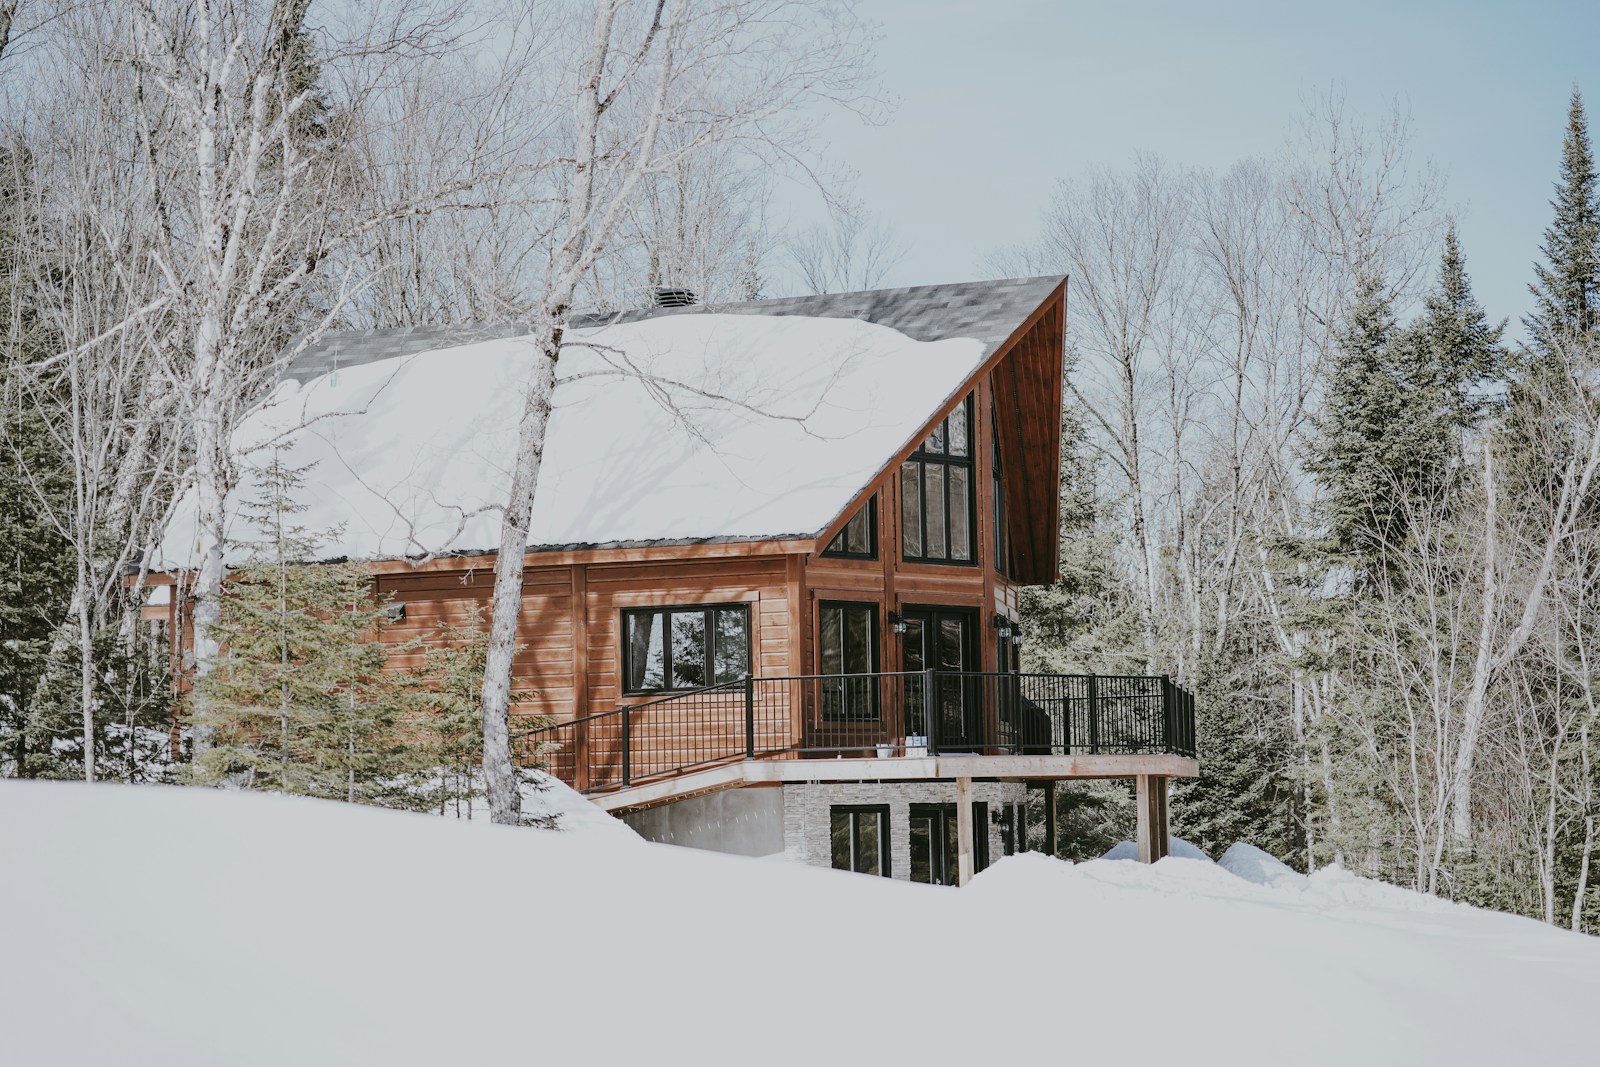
x=1094, y=715
x=749, y=718
x=1167, y=709
x=929, y=720
x=627, y=748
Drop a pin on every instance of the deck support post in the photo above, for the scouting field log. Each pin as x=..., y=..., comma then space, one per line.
x=964, y=864
x=1049, y=819
x=1151, y=801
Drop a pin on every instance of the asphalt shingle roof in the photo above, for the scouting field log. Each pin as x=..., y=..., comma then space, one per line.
x=988, y=311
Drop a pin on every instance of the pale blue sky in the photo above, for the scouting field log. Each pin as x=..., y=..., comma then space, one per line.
x=1000, y=98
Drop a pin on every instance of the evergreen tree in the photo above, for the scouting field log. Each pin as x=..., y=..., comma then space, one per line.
x=1242, y=793
x=1354, y=455
x=1566, y=289
x=35, y=558
x=299, y=700
x=1456, y=353
x=1397, y=403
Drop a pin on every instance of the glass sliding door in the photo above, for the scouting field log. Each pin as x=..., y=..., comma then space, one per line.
x=942, y=640
x=935, y=844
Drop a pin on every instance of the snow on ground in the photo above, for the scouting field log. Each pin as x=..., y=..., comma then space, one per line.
x=1176, y=846
x=1259, y=866
x=791, y=416
x=148, y=925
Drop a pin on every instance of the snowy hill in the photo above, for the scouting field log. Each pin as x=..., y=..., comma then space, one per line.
x=168, y=926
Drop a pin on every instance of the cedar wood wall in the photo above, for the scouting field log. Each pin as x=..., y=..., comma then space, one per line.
x=571, y=612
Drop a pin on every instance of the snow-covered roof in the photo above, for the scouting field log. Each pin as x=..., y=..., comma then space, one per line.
x=750, y=421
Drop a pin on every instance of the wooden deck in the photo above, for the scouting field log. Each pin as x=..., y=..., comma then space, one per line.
x=777, y=772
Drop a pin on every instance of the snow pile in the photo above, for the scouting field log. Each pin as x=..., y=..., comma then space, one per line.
x=183, y=926
x=1176, y=847
x=778, y=422
x=1259, y=866
x=547, y=797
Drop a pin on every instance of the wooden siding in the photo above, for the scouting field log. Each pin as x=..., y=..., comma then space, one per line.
x=570, y=629
x=570, y=625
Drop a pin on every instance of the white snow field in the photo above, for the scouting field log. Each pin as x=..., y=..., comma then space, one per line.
x=147, y=925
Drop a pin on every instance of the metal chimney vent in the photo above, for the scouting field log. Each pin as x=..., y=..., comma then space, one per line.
x=674, y=298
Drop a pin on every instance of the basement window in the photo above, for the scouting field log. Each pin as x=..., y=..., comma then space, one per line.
x=676, y=649
x=860, y=838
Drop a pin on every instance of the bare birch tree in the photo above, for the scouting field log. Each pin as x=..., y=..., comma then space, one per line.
x=731, y=72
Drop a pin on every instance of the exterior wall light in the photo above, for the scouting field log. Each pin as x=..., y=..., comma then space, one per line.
x=897, y=622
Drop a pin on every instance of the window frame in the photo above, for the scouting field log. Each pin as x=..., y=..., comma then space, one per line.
x=870, y=508
x=874, y=712
x=923, y=456
x=625, y=657
x=851, y=812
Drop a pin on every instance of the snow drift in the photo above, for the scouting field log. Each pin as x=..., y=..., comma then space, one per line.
x=154, y=925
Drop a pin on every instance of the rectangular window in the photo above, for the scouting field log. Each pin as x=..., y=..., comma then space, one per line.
x=860, y=838
x=937, y=519
x=847, y=645
x=859, y=538
x=673, y=649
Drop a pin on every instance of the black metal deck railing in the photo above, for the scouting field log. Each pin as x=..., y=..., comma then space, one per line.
x=925, y=713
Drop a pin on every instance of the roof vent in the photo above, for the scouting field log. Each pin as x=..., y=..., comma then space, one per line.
x=674, y=298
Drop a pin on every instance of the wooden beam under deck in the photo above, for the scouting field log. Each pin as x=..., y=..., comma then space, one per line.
x=743, y=773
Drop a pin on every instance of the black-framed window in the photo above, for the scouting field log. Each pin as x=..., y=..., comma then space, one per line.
x=938, y=514
x=934, y=845
x=859, y=538
x=860, y=838
x=847, y=644
x=668, y=649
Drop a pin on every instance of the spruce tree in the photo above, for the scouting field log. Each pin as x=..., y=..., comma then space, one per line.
x=1353, y=456
x=1456, y=352
x=1242, y=793
x=35, y=558
x=1566, y=289
x=1397, y=403
x=299, y=700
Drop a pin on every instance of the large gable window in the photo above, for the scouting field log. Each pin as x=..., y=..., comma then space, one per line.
x=937, y=521
x=666, y=649
x=859, y=538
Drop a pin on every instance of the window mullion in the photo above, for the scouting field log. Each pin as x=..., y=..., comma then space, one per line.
x=669, y=678
x=709, y=649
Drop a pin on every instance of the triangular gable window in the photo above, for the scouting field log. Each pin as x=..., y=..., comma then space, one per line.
x=859, y=538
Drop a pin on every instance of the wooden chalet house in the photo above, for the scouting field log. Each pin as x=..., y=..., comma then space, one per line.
x=773, y=603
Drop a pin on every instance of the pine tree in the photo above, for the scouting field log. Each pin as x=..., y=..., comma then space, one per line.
x=299, y=700
x=1566, y=289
